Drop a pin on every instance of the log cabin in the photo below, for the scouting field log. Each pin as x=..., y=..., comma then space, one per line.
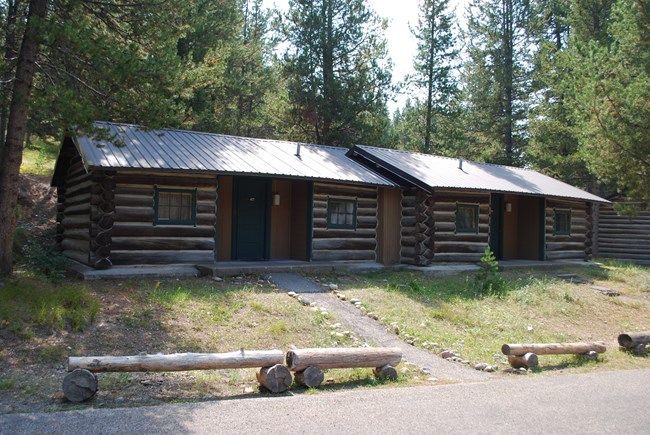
x=132, y=196
x=128, y=196
x=452, y=209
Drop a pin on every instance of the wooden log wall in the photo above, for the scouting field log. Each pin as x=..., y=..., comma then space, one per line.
x=73, y=212
x=134, y=237
x=576, y=245
x=102, y=211
x=417, y=228
x=344, y=244
x=451, y=246
x=622, y=237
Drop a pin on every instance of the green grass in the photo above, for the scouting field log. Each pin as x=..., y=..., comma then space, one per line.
x=28, y=303
x=448, y=313
x=40, y=156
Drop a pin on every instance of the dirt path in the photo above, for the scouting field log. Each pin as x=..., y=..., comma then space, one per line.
x=373, y=332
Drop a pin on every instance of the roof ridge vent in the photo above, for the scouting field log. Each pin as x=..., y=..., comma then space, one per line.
x=460, y=163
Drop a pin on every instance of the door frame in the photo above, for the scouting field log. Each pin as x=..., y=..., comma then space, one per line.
x=266, y=249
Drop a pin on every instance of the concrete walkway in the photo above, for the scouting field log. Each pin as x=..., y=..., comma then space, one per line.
x=373, y=332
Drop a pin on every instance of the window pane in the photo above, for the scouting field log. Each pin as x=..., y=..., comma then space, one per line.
x=175, y=207
x=467, y=218
x=341, y=213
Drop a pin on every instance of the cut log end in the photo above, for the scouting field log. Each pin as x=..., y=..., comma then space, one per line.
x=631, y=340
x=79, y=385
x=385, y=372
x=276, y=379
x=311, y=377
x=527, y=361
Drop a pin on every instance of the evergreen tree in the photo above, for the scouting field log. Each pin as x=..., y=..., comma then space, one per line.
x=610, y=64
x=496, y=79
x=337, y=72
x=434, y=68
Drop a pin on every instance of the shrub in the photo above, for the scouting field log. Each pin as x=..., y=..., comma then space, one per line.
x=487, y=280
x=45, y=260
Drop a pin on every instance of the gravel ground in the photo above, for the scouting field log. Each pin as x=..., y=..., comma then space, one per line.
x=372, y=331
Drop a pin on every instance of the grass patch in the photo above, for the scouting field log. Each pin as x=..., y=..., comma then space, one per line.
x=532, y=306
x=40, y=156
x=28, y=303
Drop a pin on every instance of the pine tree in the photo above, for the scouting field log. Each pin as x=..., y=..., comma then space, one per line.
x=434, y=63
x=496, y=79
x=337, y=72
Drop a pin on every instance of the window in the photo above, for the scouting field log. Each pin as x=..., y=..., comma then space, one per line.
x=342, y=213
x=174, y=207
x=467, y=218
x=562, y=222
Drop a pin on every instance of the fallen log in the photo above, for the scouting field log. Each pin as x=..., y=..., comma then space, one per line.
x=79, y=385
x=311, y=377
x=528, y=361
x=276, y=379
x=553, y=348
x=630, y=340
x=178, y=361
x=341, y=358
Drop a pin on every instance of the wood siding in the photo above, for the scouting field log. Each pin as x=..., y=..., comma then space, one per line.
x=344, y=244
x=388, y=226
x=576, y=245
x=135, y=238
x=73, y=212
x=449, y=245
x=622, y=237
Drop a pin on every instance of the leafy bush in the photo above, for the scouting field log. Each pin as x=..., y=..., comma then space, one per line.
x=45, y=259
x=487, y=280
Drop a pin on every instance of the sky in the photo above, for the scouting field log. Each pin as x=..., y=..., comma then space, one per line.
x=401, y=43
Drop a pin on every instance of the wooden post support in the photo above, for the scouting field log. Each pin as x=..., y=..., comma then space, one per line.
x=386, y=371
x=630, y=340
x=311, y=377
x=553, y=348
x=276, y=379
x=79, y=385
x=340, y=358
x=178, y=361
x=527, y=361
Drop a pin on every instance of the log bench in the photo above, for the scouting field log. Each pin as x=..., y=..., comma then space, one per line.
x=525, y=355
x=81, y=383
x=309, y=363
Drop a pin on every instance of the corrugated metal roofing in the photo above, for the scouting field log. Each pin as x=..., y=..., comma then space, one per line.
x=204, y=152
x=434, y=172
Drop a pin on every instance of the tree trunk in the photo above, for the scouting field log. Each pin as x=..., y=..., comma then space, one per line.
x=12, y=154
x=276, y=379
x=10, y=53
x=553, y=348
x=340, y=358
x=311, y=377
x=178, y=362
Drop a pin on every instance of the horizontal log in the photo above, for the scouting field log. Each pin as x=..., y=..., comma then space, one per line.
x=343, y=255
x=77, y=233
x=75, y=245
x=466, y=247
x=177, y=362
x=75, y=189
x=623, y=256
x=460, y=237
x=553, y=348
x=464, y=199
x=362, y=222
x=339, y=358
x=565, y=246
x=344, y=190
x=561, y=255
x=126, y=229
x=352, y=244
x=322, y=213
x=161, y=257
x=162, y=243
x=361, y=233
x=187, y=180
x=631, y=340
x=483, y=228
x=457, y=258
x=146, y=193
x=77, y=209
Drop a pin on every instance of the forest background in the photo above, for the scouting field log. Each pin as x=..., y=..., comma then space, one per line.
x=562, y=86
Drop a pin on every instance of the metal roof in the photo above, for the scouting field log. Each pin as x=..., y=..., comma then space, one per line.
x=431, y=172
x=204, y=152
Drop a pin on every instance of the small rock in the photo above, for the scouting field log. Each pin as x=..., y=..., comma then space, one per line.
x=336, y=325
x=354, y=300
x=523, y=371
x=432, y=379
x=324, y=313
x=358, y=304
x=333, y=287
x=446, y=354
x=249, y=390
x=396, y=330
x=261, y=282
x=341, y=296
x=217, y=278
x=347, y=333
x=147, y=382
x=464, y=361
x=313, y=304
x=120, y=399
x=426, y=370
x=372, y=316
x=423, y=325
x=480, y=366
x=393, y=324
x=488, y=369
x=530, y=328
x=323, y=309
x=313, y=309
x=592, y=355
x=508, y=370
x=339, y=335
x=411, y=342
x=292, y=294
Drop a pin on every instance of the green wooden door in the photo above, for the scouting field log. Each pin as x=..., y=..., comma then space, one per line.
x=250, y=241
